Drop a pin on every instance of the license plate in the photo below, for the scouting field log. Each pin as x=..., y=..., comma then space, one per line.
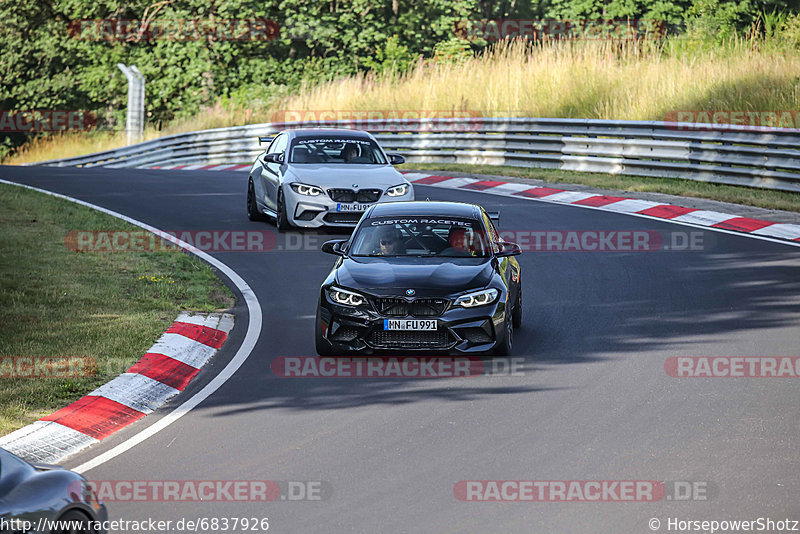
x=409, y=324
x=352, y=207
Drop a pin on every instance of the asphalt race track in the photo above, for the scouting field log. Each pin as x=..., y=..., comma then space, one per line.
x=594, y=401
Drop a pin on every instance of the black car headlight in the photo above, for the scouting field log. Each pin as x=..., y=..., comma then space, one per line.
x=397, y=190
x=477, y=298
x=307, y=190
x=345, y=297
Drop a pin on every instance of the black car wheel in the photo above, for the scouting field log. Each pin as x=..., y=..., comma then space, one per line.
x=280, y=219
x=74, y=522
x=516, y=315
x=252, y=206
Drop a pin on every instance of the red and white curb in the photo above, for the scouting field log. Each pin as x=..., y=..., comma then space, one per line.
x=631, y=206
x=164, y=371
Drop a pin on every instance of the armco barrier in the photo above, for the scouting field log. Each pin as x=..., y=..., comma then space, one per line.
x=740, y=155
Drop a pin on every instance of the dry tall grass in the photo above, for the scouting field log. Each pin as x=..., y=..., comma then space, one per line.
x=588, y=80
x=609, y=80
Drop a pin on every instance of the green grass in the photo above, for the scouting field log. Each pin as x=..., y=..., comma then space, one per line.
x=762, y=198
x=59, y=303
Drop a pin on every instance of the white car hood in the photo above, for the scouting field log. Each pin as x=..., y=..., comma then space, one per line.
x=345, y=176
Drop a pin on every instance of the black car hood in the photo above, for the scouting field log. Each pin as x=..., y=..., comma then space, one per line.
x=427, y=276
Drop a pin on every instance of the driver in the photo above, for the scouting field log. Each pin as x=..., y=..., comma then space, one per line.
x=390, y=242
x=349, y=152
x=459, y=243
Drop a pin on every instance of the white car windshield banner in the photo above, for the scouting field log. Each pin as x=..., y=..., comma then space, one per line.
x=423, y=220
x=331, y=140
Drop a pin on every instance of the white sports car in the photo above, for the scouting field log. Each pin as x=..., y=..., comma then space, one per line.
x=314, y=177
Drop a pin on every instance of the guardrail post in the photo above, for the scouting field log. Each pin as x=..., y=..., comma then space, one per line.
x=134, y=124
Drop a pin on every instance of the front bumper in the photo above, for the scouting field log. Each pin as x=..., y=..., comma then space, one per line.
x=314, y=212
x=346, y=329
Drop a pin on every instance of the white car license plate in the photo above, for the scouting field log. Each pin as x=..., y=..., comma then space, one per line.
x=409, y=324
x=352, y=207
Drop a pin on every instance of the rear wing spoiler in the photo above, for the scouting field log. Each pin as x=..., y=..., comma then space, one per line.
x=265, y=138
x=494, y=216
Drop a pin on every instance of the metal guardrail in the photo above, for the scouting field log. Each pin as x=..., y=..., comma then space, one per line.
x=739, y=155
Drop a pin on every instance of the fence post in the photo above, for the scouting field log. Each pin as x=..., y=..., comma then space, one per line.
x=134, y=124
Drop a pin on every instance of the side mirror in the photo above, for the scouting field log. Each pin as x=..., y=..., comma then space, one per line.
x=334, y=247
x=275, y=157
x=396, y=159
x=508, y=249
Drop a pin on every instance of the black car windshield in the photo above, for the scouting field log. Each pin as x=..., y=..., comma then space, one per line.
x=336, y=149
x=444, y=237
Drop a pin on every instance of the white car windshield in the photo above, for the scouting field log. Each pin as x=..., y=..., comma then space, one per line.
x=444, y=237
x=336, y=149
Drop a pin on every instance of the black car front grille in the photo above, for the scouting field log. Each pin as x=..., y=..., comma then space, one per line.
x=368, y=195
x=350, y=195
x=428, y=307
x=392, y=307
x=344, y=217
x=404, y=339
x=399, y=307
x=342, y=195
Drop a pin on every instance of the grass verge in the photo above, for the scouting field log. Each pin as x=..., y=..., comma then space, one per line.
x=761, y=198
x=58, y=303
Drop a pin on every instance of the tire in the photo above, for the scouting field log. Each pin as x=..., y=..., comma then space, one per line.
x=504, y=349
x=281, y=221
x=252, y=206
x=78, y=519
x=516, y=315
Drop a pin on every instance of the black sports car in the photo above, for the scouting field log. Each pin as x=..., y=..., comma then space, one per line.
x=421, y=276
x=46, y=499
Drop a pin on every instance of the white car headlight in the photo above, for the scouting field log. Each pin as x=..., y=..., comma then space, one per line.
x=308, y=190
x=345, y=297
x=477, y=298
x=397, y=190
